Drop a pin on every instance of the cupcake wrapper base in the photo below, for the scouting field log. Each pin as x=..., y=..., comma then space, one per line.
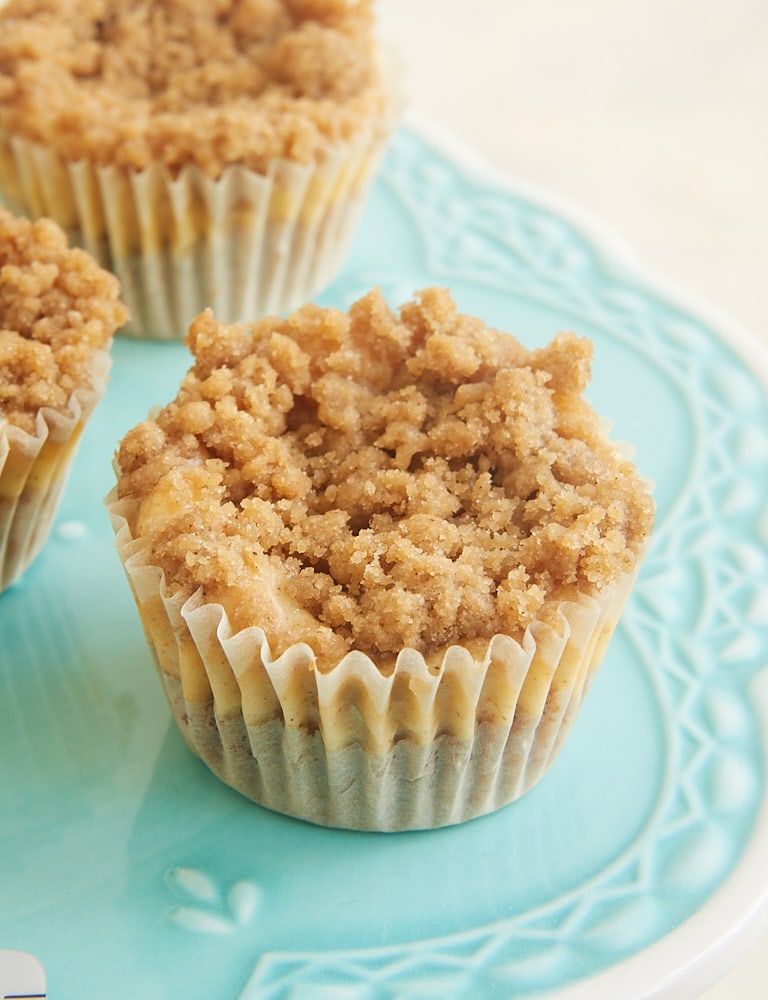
x=411, y=788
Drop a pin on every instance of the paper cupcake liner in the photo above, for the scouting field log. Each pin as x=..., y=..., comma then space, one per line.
x=420, y=747
x=247, y=245
x=33, y=473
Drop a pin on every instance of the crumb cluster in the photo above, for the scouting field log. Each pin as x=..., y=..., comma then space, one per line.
x=181, y=81
x=57, y=307
x=374, y=480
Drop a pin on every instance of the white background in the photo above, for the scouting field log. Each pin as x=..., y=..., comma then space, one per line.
x=651, y=115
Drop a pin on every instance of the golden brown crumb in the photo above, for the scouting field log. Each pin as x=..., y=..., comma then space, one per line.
x=180, y=81
x=373, y=481
x=57, y=307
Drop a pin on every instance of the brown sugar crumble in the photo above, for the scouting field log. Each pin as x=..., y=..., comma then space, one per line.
x=183, y=82
x=57, y=307
x=372, y=480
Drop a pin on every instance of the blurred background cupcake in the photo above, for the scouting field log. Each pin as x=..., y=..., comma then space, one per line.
x=58, y=312
x=209, y=154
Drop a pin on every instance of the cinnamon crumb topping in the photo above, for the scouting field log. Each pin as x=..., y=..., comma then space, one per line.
x=372, y=480
x=180, y=81
x=57, y=307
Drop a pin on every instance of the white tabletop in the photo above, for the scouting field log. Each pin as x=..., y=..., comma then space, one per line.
x=650, y=115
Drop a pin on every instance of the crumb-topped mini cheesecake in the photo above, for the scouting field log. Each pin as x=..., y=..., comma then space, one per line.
x=209, y=153
x=379, y=556
x=58, y=313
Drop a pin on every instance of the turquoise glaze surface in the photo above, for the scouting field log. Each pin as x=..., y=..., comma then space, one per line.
x=129, y=870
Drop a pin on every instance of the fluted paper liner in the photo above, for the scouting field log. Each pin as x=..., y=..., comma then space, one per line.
x=247, y=245
x=34, y=470
x=418, y=747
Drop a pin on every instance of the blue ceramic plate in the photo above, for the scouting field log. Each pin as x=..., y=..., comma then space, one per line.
x=129, y=870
